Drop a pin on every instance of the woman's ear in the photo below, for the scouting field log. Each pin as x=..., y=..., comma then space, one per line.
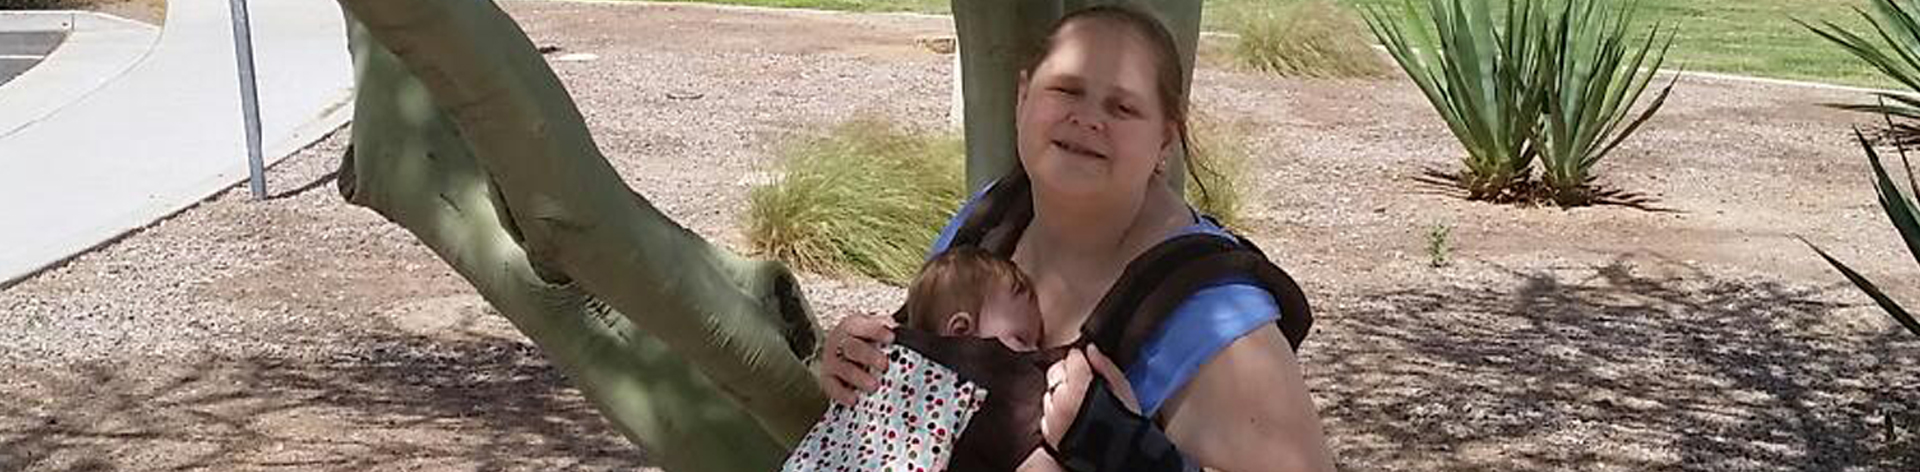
x=1172, y=139
x=1020, y=88
x=960, y=324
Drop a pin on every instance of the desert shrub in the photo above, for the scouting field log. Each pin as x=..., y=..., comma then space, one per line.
x=867, y=198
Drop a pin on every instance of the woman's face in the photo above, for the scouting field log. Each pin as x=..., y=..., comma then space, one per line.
x=1091, y=127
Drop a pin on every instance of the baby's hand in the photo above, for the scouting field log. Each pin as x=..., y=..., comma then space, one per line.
x=1067, y=383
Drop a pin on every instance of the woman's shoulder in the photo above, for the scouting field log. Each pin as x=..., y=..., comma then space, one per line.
x=1197, y=329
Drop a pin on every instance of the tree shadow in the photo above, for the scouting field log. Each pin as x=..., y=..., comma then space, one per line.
x=392, y=402
x=1605, y=368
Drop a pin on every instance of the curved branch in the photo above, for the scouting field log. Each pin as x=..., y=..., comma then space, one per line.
x=409, y=164
x=580, y=222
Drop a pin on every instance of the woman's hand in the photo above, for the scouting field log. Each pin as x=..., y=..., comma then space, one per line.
x=852, y=361
x=1067, y=383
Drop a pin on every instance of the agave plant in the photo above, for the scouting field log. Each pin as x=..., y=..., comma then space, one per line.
x=1899, y=28
x=1490, y=86
x=1900, y=208
x=1599, y=75
x=1557, y=84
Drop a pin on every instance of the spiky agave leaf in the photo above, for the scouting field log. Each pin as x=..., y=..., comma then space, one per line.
x=1899, y=29
x=1900, y=209
x=1600, y=76
x=1488, y=84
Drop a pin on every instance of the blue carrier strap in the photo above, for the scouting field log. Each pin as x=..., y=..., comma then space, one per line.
x=945, y=239
x=1200, y=327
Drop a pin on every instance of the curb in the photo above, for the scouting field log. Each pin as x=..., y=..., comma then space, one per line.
x=63, y=20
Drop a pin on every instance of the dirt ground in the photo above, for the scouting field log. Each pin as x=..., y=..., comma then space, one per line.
x=301, y=333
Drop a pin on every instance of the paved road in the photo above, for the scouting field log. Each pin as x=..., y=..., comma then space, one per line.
x=120, y=126
x=20, y=51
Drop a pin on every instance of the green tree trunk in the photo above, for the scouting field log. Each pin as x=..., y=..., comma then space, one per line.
x=410, y=164
x=996, y=39
x=740, y=324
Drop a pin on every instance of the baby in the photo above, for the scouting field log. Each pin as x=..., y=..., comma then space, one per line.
x=968, y=292
x=967, y=348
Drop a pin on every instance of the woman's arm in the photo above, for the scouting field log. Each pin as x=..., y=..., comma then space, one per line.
x=1248, y=410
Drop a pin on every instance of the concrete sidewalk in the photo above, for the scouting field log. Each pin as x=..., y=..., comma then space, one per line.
x=113, y=132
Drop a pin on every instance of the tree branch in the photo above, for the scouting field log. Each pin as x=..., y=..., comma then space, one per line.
x=580, y=223
x=410, y=164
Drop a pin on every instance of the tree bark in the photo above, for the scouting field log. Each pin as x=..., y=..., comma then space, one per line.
x=411, y=165
x=584, y=236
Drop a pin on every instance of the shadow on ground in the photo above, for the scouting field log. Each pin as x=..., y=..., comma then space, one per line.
x=1585, y=367
x=396, y=402
x=1605, y=368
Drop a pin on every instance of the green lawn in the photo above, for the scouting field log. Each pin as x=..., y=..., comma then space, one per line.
x=1746, y=37
x=1755, y=37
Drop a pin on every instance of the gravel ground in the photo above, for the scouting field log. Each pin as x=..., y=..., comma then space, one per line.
x=301, y=333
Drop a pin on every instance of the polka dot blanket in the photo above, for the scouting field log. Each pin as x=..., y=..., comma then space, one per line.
x=908, y=425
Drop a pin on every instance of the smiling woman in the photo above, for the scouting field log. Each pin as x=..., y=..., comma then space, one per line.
x=1100, y=113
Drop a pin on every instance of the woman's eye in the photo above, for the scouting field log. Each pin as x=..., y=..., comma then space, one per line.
x=1128, y=111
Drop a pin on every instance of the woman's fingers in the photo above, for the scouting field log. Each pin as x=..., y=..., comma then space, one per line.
x=1116, y=379
x=839, y=391
x=854, y=360
x=870, y=327
x=868, y=358
x=1067, y=382
x=1067, y=385
x=868, y=335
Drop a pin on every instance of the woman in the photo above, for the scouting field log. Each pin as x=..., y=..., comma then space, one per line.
x=1100, y=112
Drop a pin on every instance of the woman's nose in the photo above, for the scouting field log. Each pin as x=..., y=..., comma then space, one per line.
x=1087, y=119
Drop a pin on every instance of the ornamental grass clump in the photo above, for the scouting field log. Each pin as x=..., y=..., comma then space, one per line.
x=867, y=199
x=1527, y=80
x=1217, y=163
x=1304, y=38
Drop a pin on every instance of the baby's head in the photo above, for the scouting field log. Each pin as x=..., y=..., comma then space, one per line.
x=971, y=292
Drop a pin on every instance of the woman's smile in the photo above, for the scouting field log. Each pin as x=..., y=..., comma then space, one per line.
x=1075, y=149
